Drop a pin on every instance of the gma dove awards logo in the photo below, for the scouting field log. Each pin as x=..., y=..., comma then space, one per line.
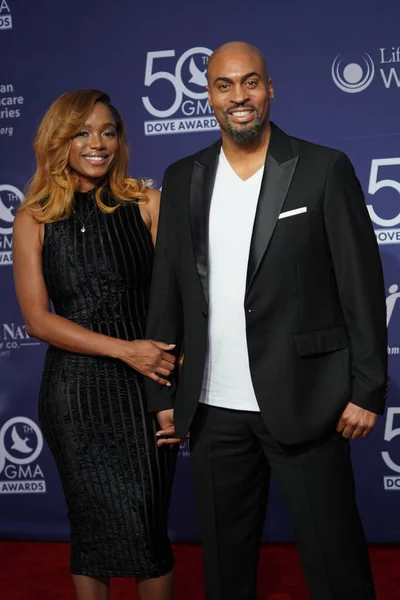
x=178, y=101
x=21, y=443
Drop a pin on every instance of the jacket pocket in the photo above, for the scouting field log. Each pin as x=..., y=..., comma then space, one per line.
x=322, y=341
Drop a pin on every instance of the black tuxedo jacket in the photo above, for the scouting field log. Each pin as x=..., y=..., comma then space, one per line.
x=315, y=302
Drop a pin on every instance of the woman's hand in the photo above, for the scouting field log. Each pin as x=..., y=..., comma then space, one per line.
x=150, y=358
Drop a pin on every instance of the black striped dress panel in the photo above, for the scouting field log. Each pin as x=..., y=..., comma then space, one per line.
x=92, y=410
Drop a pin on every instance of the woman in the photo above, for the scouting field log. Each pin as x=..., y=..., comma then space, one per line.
x=83, y=240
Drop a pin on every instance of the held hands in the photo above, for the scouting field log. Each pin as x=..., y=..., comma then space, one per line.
x=356, y=422
x=166, y=435
x=150, y=358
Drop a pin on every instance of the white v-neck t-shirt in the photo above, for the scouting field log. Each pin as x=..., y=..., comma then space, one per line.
x=227, y=381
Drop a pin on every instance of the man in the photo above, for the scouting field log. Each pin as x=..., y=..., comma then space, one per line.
x=268, y=271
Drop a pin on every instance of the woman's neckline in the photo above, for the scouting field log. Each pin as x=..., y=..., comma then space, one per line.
x=90, y=192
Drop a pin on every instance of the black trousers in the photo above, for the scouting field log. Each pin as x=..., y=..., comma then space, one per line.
x=233, y=455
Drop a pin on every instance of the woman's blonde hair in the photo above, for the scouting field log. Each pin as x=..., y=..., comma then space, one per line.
x=50, y=191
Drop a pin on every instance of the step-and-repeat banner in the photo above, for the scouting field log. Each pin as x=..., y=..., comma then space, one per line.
x=336, y=70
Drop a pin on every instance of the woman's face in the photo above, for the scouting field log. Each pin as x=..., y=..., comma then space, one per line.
x=94, y=148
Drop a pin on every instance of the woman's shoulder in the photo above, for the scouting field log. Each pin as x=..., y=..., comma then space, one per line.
x=25, y=219
x=152, y=205
x=153, y=196
x=26, y=227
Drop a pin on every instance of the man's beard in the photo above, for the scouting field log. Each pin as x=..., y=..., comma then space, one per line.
x=243, y=134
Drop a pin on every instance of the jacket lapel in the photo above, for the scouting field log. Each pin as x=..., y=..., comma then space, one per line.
x=201, y=188
x=278, y=173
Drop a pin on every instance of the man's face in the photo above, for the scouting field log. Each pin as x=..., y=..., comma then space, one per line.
x=239, y=92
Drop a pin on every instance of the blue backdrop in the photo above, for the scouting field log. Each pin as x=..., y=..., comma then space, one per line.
x=336, y=70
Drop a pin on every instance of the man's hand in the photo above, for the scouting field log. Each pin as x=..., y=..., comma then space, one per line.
x=166, y=421
x=356, y=422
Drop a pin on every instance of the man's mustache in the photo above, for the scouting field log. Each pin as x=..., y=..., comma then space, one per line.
x=239, y=106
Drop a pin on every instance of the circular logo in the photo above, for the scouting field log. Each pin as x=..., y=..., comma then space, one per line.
x=10, y=200
x=194, y=72
x=353, y=77
x=21, y=441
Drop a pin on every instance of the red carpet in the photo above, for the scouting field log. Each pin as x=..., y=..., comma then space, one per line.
x=39, y=571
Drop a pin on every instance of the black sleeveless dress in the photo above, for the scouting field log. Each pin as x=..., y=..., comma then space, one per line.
x=93, y=410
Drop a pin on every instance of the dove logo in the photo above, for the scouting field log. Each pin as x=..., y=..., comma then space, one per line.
x=197, y=77
x=21, y=443
x=10, y=200
x=187, y=110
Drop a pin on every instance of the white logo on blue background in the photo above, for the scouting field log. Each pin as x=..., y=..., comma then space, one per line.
x=5, y=15
x=352, y=77
x=20, y=437
x=391, y=301
x=178, y=102
x=10, y=200
x=21, y=443
x=198, y=77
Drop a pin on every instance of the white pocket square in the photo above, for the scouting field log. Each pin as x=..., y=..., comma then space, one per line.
x=291, y=213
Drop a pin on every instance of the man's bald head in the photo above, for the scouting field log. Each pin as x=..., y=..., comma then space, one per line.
x=229, y=50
